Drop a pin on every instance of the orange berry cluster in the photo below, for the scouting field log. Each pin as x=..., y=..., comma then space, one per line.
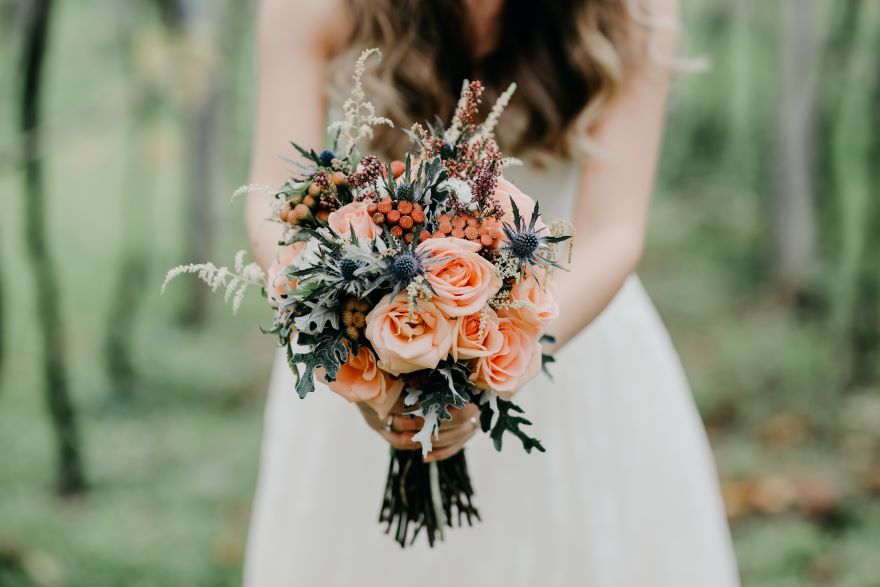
x=354, y=317
x=486, y=231
x=402, y=218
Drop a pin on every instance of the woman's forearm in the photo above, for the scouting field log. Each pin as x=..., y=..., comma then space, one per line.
x=296, y=42
x=601, y=262
x=263, y=234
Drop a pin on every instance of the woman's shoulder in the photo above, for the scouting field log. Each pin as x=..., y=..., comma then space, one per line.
x=324, y=26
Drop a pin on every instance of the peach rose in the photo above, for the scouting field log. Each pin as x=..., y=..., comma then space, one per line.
x=405, y=343
x=353, y=215
x=476, y=335
x=538, y=302
x=361, y=380
x=504, y=192
x=277, y=284
x=462, y=280
x=518, y=361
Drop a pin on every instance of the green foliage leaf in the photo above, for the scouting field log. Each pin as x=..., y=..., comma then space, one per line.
x=327, y=351
x=546, y=360
x=507, y=421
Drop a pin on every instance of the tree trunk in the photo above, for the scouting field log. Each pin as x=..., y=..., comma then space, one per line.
x=794, y=215
x=201, y=218
x=866, y=331
x=71, y=479
x=202, y=136
x=853, y=189
x=234, y=151
x=2, y=326
x=134, y=261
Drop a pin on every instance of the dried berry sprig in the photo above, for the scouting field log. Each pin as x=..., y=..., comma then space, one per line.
x=464, y=119
x=369, y=171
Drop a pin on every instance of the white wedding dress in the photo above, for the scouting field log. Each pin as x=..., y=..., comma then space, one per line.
x=625, y=496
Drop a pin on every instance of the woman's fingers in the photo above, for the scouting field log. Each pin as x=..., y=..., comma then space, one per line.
x=441, y=454
x=462, y=415
x=400, y=440
x=402, y=422
x=371, y=417
x=455, y=435
x=445, y=438
x=398, y=430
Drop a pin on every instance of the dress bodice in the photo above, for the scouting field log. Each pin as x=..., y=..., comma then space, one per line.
x=553, y=186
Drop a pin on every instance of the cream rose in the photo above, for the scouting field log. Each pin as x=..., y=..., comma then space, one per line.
x=517, y=362
x=404, y=341
x=536, y=302
x=361, y=380
x=353, y=216
x=476, y=335
x=462, y=280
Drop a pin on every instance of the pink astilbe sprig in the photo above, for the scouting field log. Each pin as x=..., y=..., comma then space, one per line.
x=471, y=155
x=457, y=167
x=486, y=180
x=464, y=120
x=428, y=145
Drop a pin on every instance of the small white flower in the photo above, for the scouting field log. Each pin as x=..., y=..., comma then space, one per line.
x=461, y=189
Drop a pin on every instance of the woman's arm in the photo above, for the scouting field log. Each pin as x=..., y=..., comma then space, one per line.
x=615, y=190
x=296, y=41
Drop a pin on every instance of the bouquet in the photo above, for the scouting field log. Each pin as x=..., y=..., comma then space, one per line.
x=427, y=278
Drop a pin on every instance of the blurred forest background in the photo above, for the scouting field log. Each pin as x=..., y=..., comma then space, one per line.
x=129, y=424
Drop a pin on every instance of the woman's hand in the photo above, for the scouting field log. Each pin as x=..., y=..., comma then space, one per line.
x=398, y=429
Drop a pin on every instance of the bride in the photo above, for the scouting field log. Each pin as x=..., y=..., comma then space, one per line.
x=626, y=494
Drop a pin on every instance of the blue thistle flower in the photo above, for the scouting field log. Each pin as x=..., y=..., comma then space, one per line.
x=326, y=157
x=403, y=191
x=447, y=151
x=405, y=266
x=526, y=243
x=348, y=267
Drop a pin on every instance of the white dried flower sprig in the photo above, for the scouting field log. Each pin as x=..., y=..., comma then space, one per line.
x=507, y=266
x=484, y=322
x=462, y=190
x=503, y=301
x=561, y=228
x=417, y=289
x=234, y=282
x=455, y=125
x=487, y=129
x=248, y=189
x=359, y=114
x=511, y=162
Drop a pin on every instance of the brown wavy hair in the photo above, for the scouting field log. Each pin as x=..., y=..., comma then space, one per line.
x=567, y=57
